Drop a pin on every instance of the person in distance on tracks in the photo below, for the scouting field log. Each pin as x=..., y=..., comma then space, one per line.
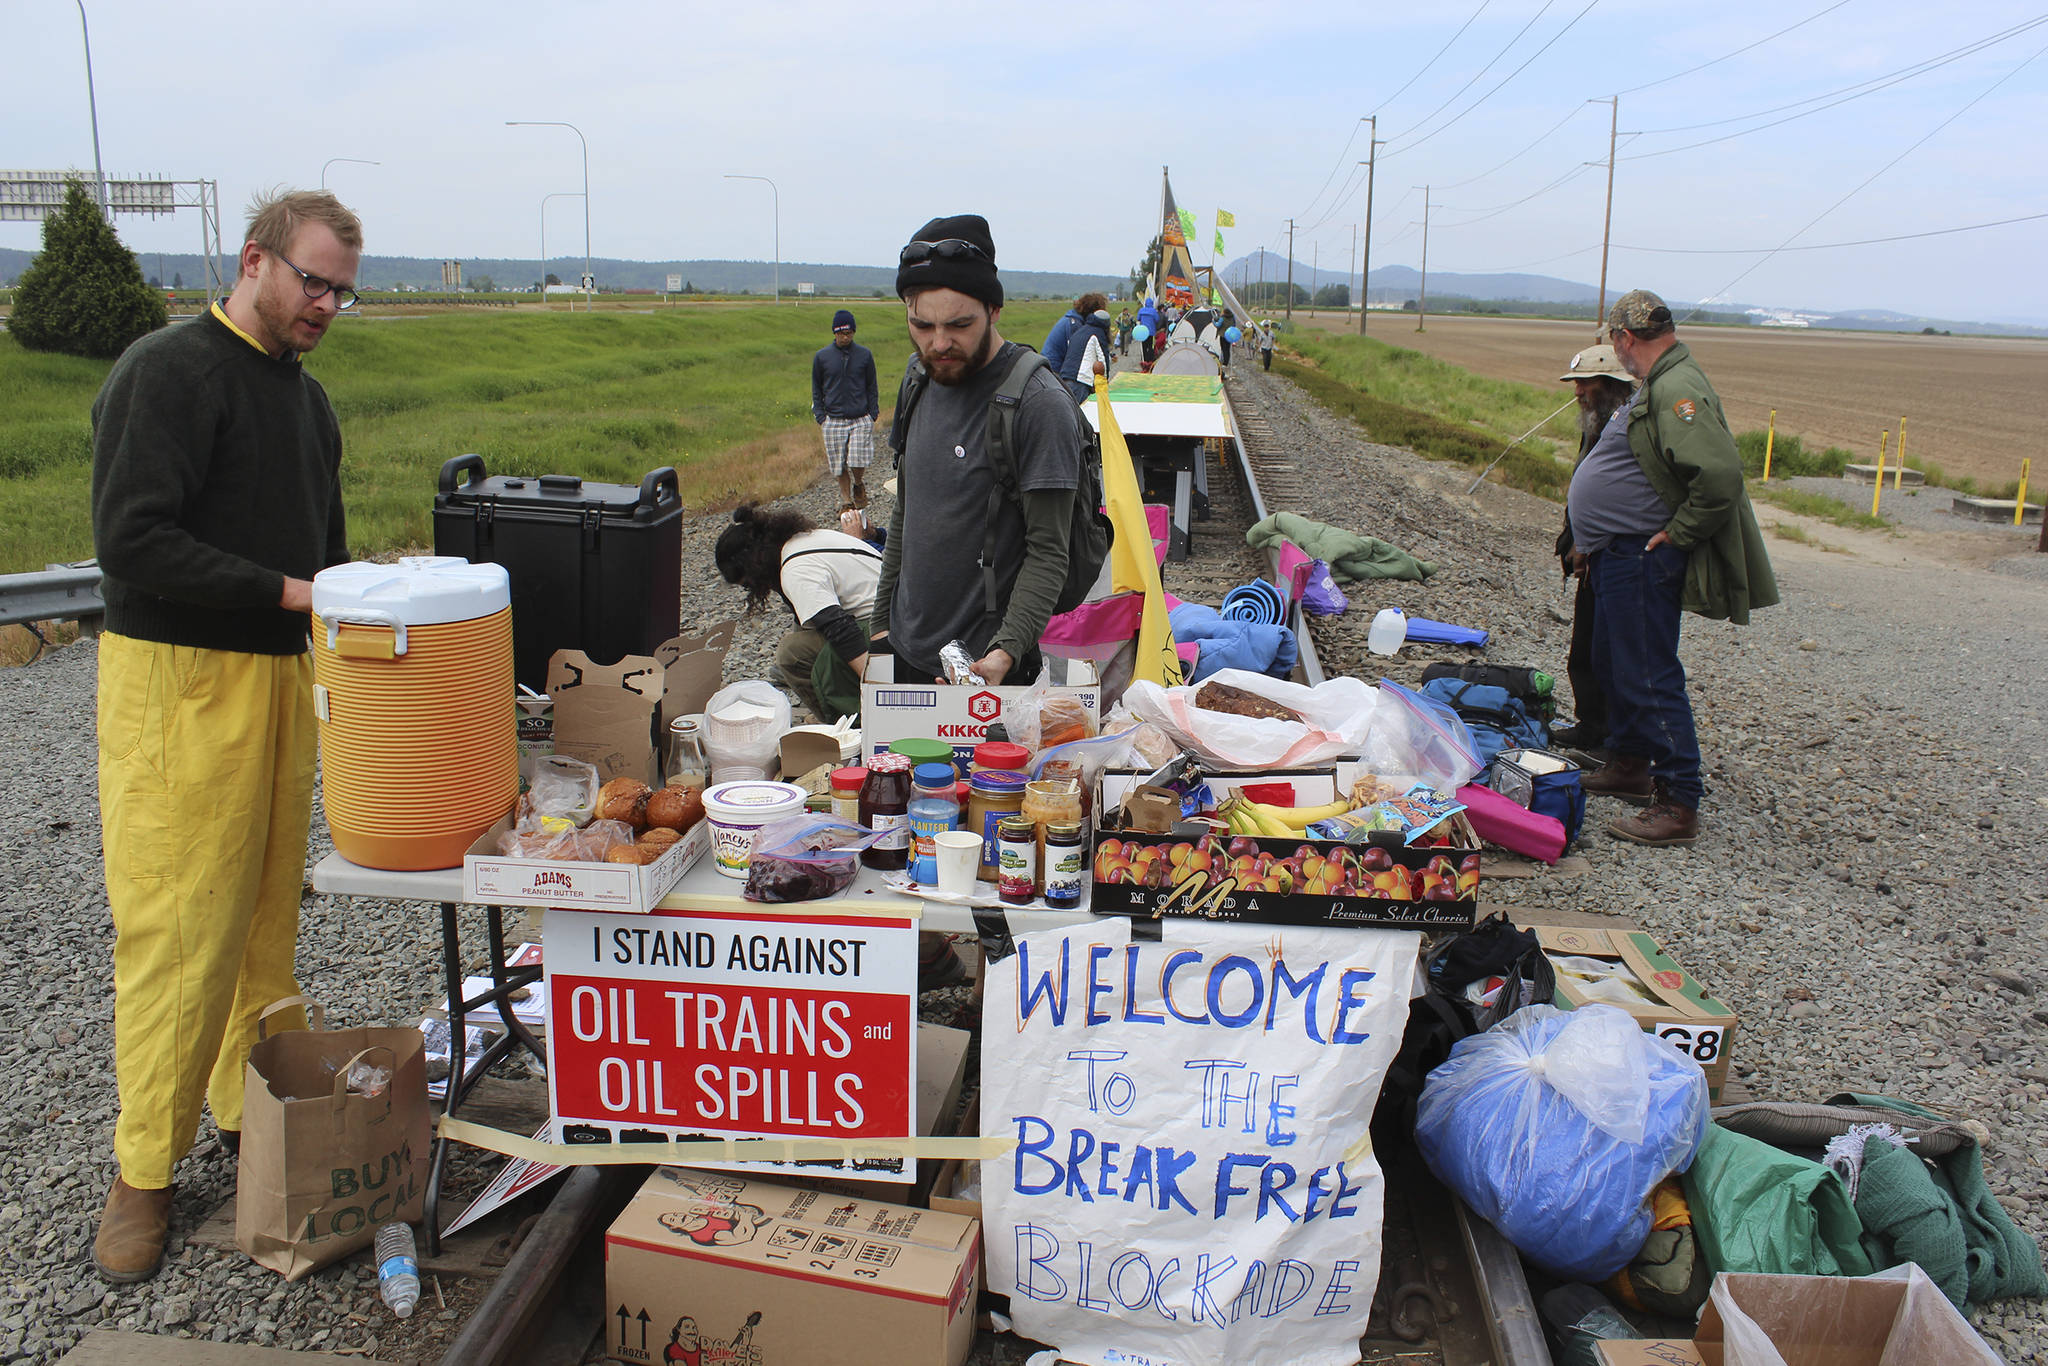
x=1054, y=348
x=1087, y=352
x=1659, y=511
x=933, y=587
x=1601, y=386
x=845, y=403
x=216, y=497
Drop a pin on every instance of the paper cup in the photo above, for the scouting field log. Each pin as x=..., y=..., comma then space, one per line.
x=958, y=854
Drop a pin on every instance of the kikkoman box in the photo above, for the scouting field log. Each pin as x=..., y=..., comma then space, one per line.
x=1630, y=970
x=718, y=1270
x=892, y=708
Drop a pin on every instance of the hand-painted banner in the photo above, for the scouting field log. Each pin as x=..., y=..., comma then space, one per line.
x=1191, y=1185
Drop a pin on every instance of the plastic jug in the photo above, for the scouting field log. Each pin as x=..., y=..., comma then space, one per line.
x=1389, y=629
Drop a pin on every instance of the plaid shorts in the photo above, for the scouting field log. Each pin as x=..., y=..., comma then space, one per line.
x=849, y=444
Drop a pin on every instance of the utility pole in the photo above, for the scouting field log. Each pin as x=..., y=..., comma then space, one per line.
x=1290, y=271
x=1607, y=225
x=1365, y=265
x=1315, y=274
x=1422, y=293
x=1354, y=258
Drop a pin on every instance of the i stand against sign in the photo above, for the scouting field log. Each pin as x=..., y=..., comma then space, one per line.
x=1191, y=1183
x=733, y=1022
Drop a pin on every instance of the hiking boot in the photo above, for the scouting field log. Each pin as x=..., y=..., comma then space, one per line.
x=937, y=964
x=860, y=495
x=1577, y=736
x=133, y=1229
x=1664, y=823
x=1626, y=776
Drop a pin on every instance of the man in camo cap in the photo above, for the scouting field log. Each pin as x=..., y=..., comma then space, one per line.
x=1659, y=512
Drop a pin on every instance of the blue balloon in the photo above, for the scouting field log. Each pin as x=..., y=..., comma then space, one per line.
x=1141, y=332
x=1232, y=335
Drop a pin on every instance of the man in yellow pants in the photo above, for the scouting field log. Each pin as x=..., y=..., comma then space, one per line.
x=216, y=496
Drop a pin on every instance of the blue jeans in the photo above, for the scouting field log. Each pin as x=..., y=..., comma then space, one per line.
x=1636, y=593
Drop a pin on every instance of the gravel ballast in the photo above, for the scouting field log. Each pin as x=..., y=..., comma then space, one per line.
x=1867, y=891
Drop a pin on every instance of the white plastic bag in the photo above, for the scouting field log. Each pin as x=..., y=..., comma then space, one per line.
x=744, y=722
x=1420, y=738
x=1336, y=716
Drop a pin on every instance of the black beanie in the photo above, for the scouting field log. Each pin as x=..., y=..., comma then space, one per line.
x=843, y=318
x=972, y=275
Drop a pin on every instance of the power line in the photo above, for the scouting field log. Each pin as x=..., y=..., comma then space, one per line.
x=1503, y=81
x=1477, y=74
x=1888, y=82
x=1499, y=209
x=1862, y=184
x=1433, y=60
x=1577, y=110
x=1335, y=168
x=1665, y=80
x=1830, y=246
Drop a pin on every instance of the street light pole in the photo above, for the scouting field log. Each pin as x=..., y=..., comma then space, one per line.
x=358, y=161
x=92, y=103
x=778, y=226
x=1607, y=224
x=589, y=280
x=559, y=194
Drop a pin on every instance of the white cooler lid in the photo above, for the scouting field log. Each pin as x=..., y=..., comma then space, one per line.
x=419, y=590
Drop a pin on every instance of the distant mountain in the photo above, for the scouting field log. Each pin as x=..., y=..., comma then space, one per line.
x=1392, y=284
x=389, y=272
x=1885, y=320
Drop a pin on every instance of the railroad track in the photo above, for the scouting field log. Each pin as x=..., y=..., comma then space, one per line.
x=1452, y=1290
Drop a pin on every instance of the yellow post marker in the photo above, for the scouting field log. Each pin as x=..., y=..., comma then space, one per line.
x=1770, y=440
x=1877, y=490
x=2019, y=500
x=1899, y=477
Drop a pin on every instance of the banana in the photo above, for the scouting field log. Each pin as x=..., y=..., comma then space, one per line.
x=1268, y=825
x=1295, y=819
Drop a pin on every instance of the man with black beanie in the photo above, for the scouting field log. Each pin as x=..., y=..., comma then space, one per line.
x=844, y=403
x=934, y=588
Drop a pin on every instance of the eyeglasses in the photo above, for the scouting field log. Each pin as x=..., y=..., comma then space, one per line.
x=951, y=249
x=318, y=288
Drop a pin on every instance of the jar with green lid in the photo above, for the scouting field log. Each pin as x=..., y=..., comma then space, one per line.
x=920, y=750
x=996, y=793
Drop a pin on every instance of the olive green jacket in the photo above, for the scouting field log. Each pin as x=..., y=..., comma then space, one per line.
x=1680, y=438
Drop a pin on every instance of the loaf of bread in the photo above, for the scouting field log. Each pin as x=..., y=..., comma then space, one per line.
x=1238, y=702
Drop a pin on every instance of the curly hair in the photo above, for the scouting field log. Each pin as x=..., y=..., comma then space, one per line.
x=749, y=552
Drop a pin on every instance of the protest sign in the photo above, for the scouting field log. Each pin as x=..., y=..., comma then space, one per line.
x=756, y=1022
x=1191, y=1185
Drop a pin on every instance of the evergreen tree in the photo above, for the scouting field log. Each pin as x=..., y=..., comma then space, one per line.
x=84, y=294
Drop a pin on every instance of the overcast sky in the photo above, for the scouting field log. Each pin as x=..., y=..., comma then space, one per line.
x=871, y=118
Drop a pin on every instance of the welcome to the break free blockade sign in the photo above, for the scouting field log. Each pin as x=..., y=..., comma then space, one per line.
x=721, y=1023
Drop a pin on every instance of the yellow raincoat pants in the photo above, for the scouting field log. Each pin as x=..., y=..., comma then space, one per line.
x=206, y=791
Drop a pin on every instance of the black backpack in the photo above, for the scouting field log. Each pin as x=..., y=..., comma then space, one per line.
x=1089, y=533
x=1535, y=688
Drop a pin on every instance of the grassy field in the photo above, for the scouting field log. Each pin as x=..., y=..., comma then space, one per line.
x=722, y=392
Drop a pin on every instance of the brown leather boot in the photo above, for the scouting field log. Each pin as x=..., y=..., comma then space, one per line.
x=1664, y=823
x=860, y=495
x=1626, y=776
x=133, y=1229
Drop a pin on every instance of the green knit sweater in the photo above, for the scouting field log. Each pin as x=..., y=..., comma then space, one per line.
x=216, y=475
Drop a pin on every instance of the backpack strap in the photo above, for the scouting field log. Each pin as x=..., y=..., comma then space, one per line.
x=1002, y=459
x=907, y=394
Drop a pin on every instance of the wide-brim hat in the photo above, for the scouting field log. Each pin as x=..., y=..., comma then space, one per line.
x=1597, y=361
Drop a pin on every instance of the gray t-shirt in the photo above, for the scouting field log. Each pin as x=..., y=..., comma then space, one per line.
x=945, y=486
x=1610, y=494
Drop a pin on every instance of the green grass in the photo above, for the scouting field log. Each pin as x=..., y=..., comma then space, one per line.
x=1404, y=398
x=1789, y=457
x=1817, y=505
x=722, y=393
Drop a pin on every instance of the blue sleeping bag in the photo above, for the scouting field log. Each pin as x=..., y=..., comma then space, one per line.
x=1230, y=644
x=1555, y=1125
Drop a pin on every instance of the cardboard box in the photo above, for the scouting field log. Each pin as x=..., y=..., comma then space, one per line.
x=615, y=716
x=1894, y=1316
x=1268, y=881
x=941, y=1073
x=692, y=668
x=492, y=879
x=890, y=710
x=1672, y=1004
x=756, y=1274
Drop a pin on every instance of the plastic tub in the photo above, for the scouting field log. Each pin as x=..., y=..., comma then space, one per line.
x=738, y=810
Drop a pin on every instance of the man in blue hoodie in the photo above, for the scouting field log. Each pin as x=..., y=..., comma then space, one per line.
x=1055, y=347
x=845, y=402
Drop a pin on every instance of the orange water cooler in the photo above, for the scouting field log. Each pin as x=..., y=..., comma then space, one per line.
x=412, y=685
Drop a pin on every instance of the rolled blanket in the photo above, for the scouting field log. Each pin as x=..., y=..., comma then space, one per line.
x=1258, y=602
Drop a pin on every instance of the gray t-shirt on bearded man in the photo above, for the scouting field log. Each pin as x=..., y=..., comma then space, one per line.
x=944, y=490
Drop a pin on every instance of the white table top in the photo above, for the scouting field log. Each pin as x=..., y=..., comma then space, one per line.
x=702, y=886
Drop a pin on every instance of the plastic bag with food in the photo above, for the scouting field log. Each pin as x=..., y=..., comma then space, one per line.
x=592, y=843
x=1332, y=719
x=563, y=787
x=1420, y=738
x=805, y=857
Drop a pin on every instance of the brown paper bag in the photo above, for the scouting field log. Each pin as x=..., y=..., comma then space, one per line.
x=322, y=1167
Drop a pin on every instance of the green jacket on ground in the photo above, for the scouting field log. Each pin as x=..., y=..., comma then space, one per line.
x=1680, y=437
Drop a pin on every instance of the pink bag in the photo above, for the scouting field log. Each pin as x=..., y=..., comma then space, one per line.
x=1498, y=820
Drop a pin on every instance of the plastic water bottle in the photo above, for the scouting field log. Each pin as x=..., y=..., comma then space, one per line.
x=1388, y=630
x=398, y=1269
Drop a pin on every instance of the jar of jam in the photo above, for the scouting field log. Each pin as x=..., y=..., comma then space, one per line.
x=1017, y=853
x=885, y=809
x=995, y=793
x=1048, y=800
x=1066, y=865
x=846, y=785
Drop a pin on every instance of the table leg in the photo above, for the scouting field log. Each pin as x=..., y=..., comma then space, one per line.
x=458, y=1054
x=504, y=983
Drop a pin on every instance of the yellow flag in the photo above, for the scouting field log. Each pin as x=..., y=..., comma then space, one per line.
x=1133, y=568
x=1225, y=218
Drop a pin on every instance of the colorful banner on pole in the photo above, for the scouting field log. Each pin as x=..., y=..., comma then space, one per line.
x=1225, y=218
x=1176, y=269
x=1192, y=1182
